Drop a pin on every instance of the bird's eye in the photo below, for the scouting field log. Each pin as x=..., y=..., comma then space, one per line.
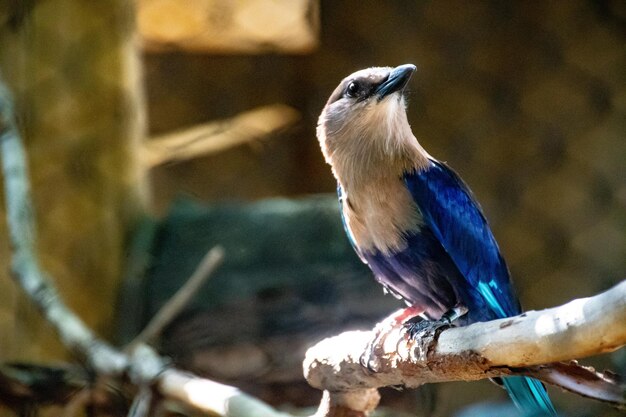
x=353, y=89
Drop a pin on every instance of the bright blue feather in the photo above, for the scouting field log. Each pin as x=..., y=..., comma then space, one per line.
x=456, y=219
x=529, y=395
x=345, y=226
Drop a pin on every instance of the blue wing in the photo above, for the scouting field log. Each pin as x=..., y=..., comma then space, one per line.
x=456, y=219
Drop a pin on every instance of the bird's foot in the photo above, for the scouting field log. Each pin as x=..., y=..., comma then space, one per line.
x=416, y=325
x=370, y=359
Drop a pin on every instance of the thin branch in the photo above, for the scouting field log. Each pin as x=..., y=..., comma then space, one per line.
x=77, y=403
x=583, y=381
x=212, y=397
x=141, y=365
x=172, y=308
x=141, y=404
x=504, y=347
x=217, y=136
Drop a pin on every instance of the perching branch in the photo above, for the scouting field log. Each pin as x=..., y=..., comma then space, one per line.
x=518, y=345
x=142, y=366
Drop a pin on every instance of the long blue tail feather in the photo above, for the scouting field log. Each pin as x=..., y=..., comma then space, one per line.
x=530, y=396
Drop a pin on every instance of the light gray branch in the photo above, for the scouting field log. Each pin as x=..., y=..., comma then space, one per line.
x=143, y=366
x=516, y=345
x=212, y=397
x=580, y=328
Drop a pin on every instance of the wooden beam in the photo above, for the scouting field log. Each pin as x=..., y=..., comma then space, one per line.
x=226, y=26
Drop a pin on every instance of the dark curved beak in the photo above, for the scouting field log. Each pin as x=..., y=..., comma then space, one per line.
x=397, y=80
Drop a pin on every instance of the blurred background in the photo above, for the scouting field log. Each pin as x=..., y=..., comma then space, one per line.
x=158, y=129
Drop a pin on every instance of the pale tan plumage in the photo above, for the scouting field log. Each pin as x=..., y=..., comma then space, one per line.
x=368, y=159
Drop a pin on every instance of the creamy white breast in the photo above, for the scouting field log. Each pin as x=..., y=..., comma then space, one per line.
x=379, y=214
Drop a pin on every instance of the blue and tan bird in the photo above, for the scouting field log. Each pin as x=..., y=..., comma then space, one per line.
x=411, y=218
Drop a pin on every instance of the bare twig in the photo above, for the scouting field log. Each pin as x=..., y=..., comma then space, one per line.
x=76, y=405
x=583, y=381
x=509, y=346
x=354, y=403
x=217, y=136
x=141, y=365
x=172, y=308
x=212, y=397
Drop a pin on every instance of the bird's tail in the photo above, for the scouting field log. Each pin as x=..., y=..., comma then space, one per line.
x=529, y=395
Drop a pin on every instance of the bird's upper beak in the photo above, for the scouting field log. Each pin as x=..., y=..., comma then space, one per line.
x=397, y=80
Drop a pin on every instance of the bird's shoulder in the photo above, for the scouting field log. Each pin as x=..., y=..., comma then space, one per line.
x=441, y=184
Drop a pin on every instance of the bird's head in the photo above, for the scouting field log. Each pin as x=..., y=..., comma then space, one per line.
x=364, y=120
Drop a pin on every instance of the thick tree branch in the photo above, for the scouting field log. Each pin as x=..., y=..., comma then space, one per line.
x=580, y=328
x=516, y=345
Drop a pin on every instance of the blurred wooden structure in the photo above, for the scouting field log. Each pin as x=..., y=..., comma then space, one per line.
x=230, y=26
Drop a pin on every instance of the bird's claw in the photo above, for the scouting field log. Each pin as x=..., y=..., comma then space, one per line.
x=414, y=328
x=369, y=359
x=417, y=325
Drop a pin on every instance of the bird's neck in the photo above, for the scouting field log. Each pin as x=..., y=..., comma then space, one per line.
x=375, y=143
x=374, y=159
x=369, y=166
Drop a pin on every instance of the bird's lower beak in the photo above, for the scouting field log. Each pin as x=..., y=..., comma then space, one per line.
x=397, y=80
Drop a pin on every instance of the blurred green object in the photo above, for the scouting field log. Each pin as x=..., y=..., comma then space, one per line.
x=288, y=268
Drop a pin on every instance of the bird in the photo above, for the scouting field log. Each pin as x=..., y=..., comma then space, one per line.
x=412, y=219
